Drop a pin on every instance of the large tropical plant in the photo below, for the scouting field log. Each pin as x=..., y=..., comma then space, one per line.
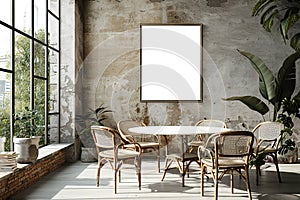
x=272, y=89
x=284, y=12
x=278, y=92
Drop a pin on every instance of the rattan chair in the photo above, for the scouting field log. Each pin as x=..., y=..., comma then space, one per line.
x=200, y=139
x=267, y=136
x=109, y=147
x=148, y=144
x=231, y=153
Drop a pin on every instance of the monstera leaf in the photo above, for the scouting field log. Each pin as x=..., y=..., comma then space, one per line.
x=252, y=102
x=267, y=81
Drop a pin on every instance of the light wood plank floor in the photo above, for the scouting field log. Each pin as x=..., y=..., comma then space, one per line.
x=77, y=181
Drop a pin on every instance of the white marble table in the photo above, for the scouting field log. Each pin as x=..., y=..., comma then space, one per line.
x=176, y=130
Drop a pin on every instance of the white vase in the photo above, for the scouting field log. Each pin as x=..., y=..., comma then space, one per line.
x=27, y=149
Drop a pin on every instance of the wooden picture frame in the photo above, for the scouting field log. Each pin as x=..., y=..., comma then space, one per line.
x=171, y=62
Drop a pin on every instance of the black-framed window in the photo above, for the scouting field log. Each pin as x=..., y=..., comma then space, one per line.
x=30, y=67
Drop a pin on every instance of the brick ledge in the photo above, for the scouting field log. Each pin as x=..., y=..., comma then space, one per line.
x=44, y=152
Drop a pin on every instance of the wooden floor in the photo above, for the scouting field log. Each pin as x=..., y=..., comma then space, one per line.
x=77, y=181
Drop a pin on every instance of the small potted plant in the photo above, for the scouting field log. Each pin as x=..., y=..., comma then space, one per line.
x=27, y=135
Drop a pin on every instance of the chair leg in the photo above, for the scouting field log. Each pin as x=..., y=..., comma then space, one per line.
x=101, y=163
x=231, y=182
x=248, y=182
x=202, y=180
x=115, y=180
x=166, y=168
x=138, y=163
x=139, y=180
x=183, y=174
x=119, y=176
x=98, y=176
x=277, y=167
x=257, y=167
x=158, y=160
x=216, y=181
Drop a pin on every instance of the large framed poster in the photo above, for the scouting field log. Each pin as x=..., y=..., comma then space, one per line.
x=171, y=62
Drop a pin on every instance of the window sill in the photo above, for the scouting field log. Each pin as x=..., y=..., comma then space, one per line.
x=44, y=152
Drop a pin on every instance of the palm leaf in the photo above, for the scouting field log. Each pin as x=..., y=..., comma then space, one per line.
x=287, y=77
x=268, y=23
x=295, y=42
x=288, y=22
x=266, y=13
x=252, y=102
x=267, y=81
x=259, y=6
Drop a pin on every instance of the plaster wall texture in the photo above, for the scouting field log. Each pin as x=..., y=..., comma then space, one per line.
x=68, y=70
x=110, y=70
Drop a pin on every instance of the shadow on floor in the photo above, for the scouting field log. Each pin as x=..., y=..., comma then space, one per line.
x=278, y=197
x=269, y=184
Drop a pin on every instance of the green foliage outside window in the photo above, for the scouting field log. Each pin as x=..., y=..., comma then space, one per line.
x=22, y=83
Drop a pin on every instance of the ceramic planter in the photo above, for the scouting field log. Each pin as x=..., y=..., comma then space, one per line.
x=27, y=149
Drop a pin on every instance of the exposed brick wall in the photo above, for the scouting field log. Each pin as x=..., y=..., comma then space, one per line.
x=23, y=177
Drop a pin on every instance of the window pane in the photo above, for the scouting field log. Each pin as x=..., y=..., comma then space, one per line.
x=5, y=11
x=53, y=129
x=22, y=72
x=39, y=105
x=53, y=83
x=5, y=104
x=53, y=6
x=40, y=19
x=5, y=50
x=39, y=60
x=23, y=15
x=53, y=32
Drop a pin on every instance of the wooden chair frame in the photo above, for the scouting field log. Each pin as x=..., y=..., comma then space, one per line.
x=219, y=164
x=114, y=154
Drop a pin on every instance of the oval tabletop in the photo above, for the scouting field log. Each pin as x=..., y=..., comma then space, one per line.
x=177, y=130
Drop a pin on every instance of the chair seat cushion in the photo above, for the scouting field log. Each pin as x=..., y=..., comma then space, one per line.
x=122, y=154
x=144, y=145
x=225, y=162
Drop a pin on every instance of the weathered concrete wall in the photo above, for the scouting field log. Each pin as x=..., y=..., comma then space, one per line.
x=110, y=71
x=67, y=103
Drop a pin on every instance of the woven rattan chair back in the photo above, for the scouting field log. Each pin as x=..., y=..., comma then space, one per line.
x=268, y=136
x=268, y=131
x=234, y=144
x=231, y=153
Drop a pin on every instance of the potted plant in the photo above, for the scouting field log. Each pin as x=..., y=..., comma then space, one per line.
x=93, y=117
x=27, y=135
